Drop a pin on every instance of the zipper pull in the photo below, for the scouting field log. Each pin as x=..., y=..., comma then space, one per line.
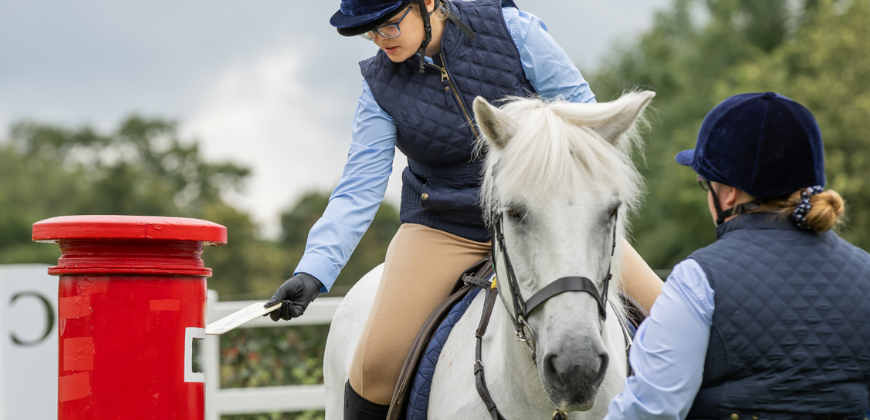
x=444, y=75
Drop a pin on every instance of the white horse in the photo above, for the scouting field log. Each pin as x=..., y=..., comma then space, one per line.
x=563, y=172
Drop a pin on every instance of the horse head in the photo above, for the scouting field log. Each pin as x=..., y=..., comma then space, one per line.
x=557, y=177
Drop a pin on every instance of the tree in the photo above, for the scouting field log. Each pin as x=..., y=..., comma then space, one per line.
x=168, y=174
x=144, y=168
x=827, y=68
x=140, y=168
x=815, y=53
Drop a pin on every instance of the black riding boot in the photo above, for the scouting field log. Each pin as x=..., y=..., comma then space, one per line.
x=359, y=408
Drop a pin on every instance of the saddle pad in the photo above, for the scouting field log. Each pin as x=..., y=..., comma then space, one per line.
x=418, y=401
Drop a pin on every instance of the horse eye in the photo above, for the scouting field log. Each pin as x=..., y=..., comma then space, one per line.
x=615, y=212
x=514, y=214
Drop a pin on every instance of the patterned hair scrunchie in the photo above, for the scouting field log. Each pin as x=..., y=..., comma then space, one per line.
x=802, y=209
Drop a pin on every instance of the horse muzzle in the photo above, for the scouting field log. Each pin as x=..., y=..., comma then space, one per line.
x=573, y=374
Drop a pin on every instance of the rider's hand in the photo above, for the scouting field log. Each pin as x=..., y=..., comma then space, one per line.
x=295, y=295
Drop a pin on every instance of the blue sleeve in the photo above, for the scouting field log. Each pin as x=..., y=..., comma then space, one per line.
x=356, y=198
x=547, y=67
x=669, y=350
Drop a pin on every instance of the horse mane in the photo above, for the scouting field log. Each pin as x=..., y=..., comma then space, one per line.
x=556, y=143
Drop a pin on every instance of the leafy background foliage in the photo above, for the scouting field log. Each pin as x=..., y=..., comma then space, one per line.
x=697, y=53
x=700, y=52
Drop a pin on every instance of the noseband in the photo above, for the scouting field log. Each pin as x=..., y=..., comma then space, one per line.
x=523, y=308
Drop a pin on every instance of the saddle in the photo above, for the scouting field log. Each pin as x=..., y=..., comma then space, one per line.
x=466, y=288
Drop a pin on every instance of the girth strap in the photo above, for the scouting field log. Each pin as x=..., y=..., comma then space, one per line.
x=566, y=284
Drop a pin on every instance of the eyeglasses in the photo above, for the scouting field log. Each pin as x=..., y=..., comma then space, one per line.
x=705, y=185
x=389, y=31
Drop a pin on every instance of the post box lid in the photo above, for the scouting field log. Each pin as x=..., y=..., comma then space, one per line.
x=129, y=227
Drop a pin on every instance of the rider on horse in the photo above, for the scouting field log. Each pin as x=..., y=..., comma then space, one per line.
x=771, y=320
x=435, y=57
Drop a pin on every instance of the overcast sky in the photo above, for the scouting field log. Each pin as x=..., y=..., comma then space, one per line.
x=266, y=83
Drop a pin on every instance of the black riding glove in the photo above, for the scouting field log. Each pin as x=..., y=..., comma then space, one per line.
x=295, y=295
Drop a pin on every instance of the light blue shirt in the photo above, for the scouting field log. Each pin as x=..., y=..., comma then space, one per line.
x=359, y=193
x=669, y=350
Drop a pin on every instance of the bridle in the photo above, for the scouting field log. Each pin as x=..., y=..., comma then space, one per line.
x=523, y=308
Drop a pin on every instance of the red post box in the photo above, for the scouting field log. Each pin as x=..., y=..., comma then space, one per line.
x=132, y=300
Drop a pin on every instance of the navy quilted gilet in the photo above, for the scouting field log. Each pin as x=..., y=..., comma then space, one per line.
x=791, y=329
x=433, y=115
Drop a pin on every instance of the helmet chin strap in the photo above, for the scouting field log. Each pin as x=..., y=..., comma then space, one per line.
x=741, y=208
x=427, y=25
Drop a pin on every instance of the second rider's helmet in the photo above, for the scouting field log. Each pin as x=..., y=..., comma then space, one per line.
x=765, y=144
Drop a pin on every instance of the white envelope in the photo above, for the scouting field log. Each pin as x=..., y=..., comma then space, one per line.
x=232, y=321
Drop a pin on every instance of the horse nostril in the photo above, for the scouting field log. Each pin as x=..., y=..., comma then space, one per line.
x=602, y=369
x=550, y=369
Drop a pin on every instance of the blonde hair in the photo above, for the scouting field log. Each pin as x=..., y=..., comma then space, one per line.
x=826, y=212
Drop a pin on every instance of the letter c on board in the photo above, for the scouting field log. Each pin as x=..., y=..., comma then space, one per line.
x=49, y=314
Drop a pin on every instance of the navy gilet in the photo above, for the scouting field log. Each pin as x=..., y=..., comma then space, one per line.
x=441, y=185
x=790, y=337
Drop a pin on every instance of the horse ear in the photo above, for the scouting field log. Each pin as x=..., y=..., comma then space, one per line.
x=497, y=126
x=629, y=106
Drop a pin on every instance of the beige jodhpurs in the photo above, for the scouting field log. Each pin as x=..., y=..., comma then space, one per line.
x=421, y=267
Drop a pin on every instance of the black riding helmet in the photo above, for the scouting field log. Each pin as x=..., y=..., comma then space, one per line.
x=356, y=17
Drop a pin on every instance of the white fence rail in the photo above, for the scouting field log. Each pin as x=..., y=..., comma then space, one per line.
x=225, y=401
